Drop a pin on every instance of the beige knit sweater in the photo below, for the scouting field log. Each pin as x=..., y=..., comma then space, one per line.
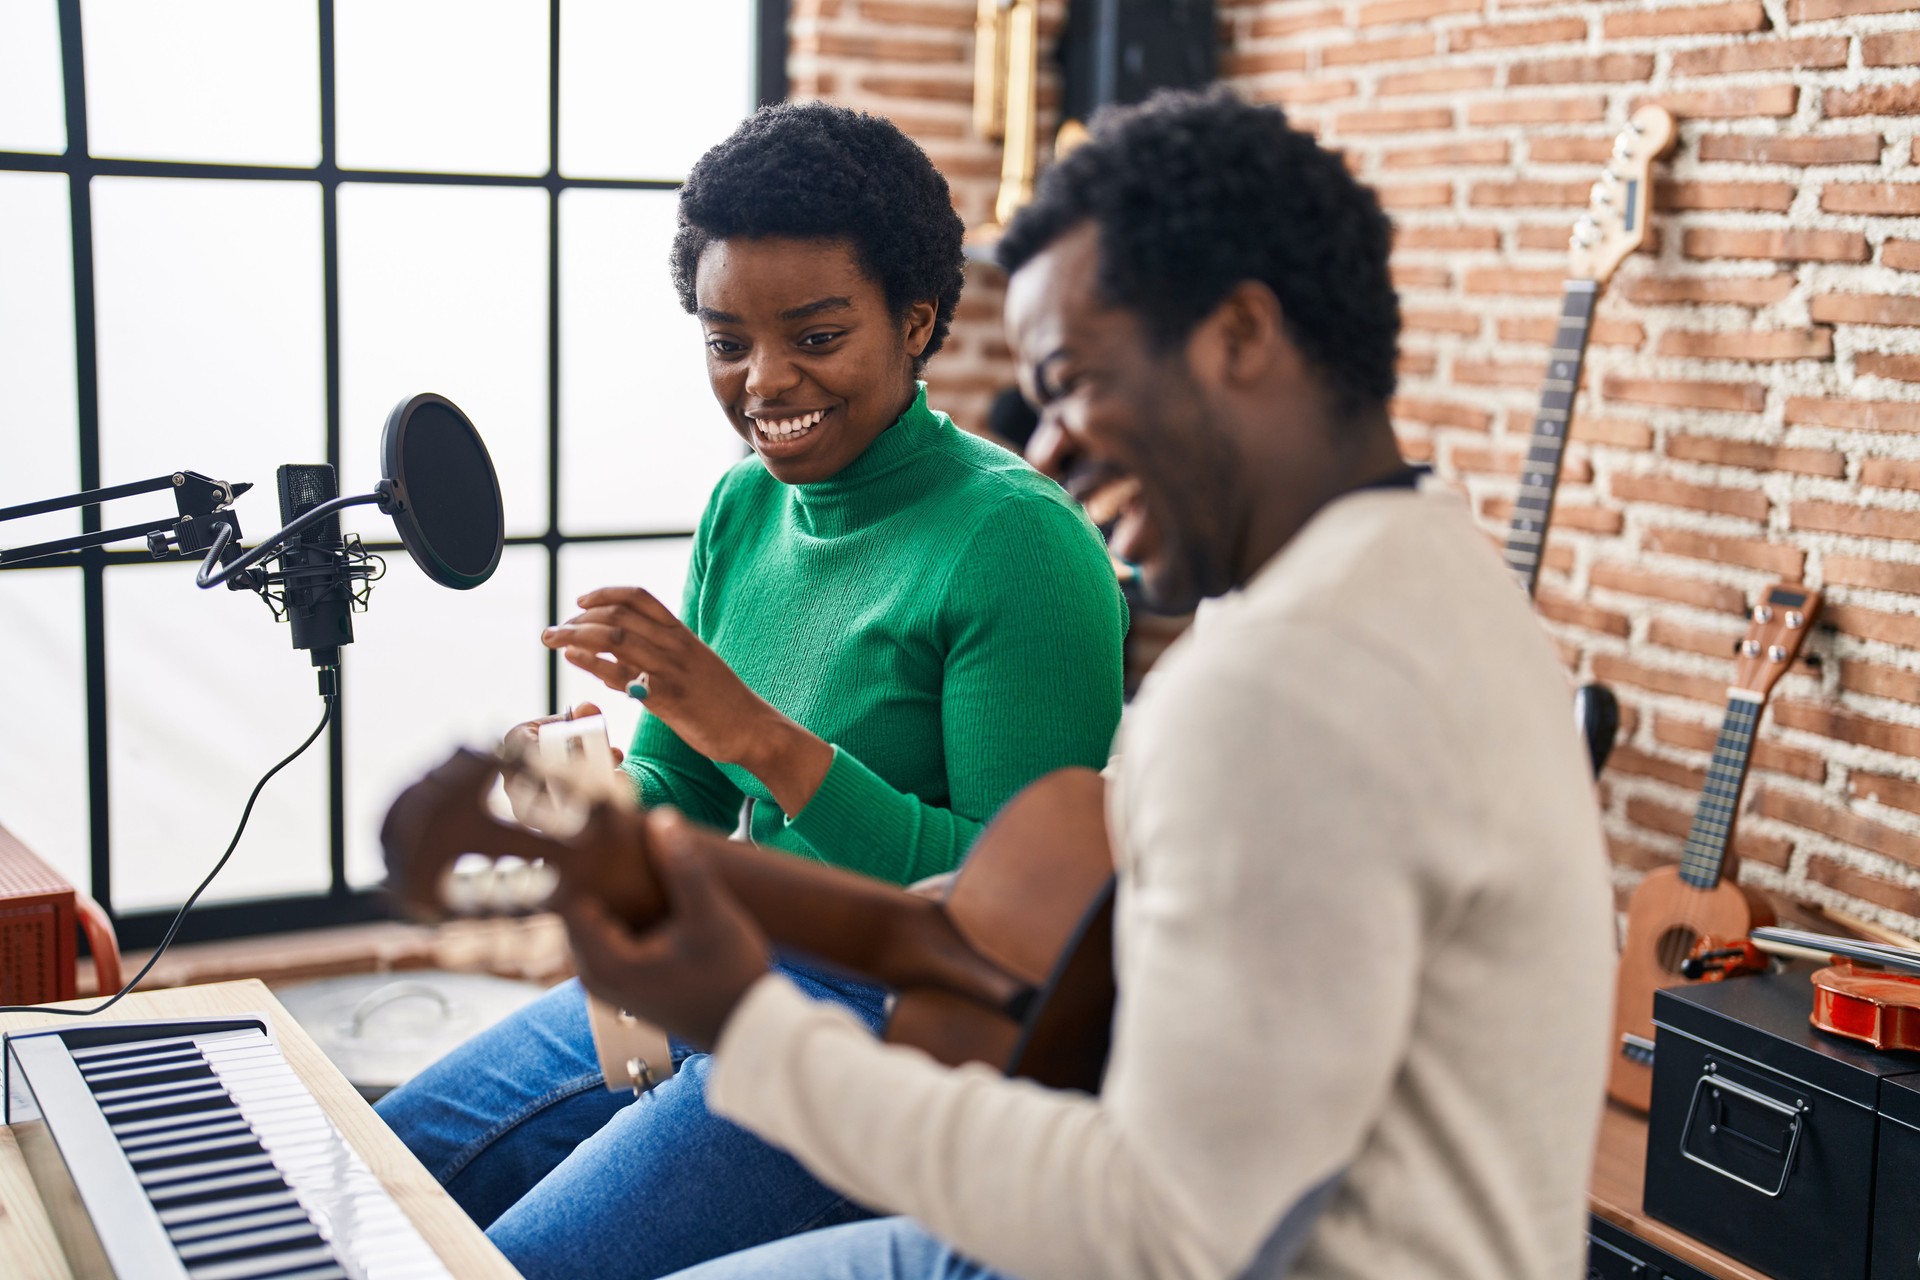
x=1364, y=944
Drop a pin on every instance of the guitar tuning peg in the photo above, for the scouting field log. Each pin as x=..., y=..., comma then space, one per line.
x=1636, y=126
x=1622, y=148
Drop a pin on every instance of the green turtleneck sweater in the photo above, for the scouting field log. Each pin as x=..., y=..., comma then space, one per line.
x=938, y=611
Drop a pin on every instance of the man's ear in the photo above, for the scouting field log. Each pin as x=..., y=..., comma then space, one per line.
x=920, y=318
x=1252, y=331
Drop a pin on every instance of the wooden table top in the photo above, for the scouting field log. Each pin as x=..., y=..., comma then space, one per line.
x=1618, y=1187
x=26, y=1237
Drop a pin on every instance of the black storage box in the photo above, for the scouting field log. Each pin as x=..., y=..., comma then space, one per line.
x=1763, y=1135
x=1896, y=1183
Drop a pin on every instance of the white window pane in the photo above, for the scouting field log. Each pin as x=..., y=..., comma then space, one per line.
x=39, y=422
x=43, y=708
x=205, y=692
x=212, y=356
x=647, y=86
x=33, y=111
x=432, y=669
x=450, y=86
x=224, y=81
x=659, y=565
x=642, y=439
x=445, y=289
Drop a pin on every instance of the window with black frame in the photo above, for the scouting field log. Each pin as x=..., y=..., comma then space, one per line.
x=233, y=233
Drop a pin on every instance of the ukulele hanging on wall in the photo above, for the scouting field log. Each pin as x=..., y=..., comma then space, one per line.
x=1676, y=907
x=1614, y=225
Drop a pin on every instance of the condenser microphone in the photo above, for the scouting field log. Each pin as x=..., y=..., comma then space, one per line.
x=316, y=587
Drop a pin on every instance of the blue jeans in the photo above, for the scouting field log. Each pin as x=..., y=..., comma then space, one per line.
x=572, y=1180
x=879, y=1249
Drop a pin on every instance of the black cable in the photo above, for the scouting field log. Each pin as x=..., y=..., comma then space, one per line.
x=326, y=715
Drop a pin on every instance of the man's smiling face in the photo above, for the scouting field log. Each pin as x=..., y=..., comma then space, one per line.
x=1124, y=425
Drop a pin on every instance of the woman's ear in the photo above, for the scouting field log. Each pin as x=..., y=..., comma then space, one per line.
x=919, y=326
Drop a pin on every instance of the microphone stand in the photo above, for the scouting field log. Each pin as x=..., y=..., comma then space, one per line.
x=203, y=520
x=206, y=523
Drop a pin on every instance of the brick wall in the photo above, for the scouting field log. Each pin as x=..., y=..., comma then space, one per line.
x=1751, y=405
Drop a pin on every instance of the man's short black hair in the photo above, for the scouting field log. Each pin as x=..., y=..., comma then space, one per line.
x=812, y=169
x=1195, y=192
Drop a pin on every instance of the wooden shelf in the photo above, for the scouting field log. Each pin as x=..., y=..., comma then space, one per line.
x=1618, y=1187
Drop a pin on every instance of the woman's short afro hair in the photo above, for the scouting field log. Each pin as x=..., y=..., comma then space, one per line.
x=1194, y=193
x=816, y=170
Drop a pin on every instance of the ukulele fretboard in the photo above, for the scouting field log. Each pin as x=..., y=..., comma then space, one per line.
x=1540, y=476
x=1701, y=861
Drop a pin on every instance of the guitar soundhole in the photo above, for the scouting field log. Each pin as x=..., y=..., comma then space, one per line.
x=1675, y=945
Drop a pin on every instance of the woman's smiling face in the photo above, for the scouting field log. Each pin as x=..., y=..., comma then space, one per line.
x=804, y=354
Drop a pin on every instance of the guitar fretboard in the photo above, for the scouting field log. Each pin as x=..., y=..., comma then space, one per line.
x=1705, y=854
x=1540, y=477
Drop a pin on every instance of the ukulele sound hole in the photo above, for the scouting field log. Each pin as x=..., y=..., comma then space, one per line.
x=1675, y=945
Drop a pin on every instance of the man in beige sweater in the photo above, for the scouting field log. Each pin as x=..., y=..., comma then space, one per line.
x=1363, y=925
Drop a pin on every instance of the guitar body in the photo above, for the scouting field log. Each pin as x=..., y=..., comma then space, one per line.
x=1034, y=897
x=1666, y=919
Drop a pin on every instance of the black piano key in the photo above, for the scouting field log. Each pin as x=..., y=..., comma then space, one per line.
x=133, y=1128
x=329, y=1272
x=183, y=1214
x=278, y=1262
x=135, y=1144
x=200, y=1230
x=259, y=1180
x=242, y=1143
x=171, y=1174
x=247, y=1242
x=208, y=1099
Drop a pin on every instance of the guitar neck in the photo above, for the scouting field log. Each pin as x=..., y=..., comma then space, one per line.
x=1704, y=858
x=1540, y=477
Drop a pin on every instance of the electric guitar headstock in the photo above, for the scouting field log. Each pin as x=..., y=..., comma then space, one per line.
x=1776, y=633
x=1615, y=223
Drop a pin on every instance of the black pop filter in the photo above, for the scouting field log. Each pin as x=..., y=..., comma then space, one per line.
x=443, y=494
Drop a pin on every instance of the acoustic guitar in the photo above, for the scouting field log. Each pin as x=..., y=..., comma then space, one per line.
x=1614, y=226
x=1675, y=908
x=1013, y=968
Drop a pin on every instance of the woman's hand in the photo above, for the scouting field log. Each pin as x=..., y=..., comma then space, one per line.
x=623, y=633
x=524, y=738
x=687, y=973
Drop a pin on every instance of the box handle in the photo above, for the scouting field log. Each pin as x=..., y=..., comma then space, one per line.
x=1720, y=1084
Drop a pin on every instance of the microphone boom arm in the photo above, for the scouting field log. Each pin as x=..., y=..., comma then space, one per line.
x=202, y=503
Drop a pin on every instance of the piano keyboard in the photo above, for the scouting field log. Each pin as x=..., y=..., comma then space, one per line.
x=191, y=1149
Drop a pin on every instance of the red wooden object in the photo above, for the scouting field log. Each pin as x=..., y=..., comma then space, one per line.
x=39, y=915
x=1882, y=1009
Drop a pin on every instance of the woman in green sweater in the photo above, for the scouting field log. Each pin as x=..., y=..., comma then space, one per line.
x=889, y=627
